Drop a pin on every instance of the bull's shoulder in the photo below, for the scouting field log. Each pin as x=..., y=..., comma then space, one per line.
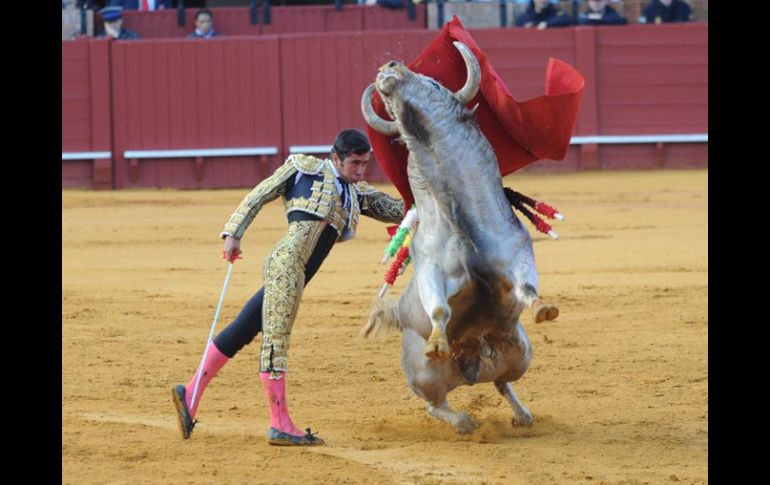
x=307, y=164
x=363, y=188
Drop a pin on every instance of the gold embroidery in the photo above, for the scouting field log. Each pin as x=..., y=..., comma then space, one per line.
x=268, y=190
x=363, y=188
x=307, y=163
x=324, y=201
x=383, y=207
x=284, y=277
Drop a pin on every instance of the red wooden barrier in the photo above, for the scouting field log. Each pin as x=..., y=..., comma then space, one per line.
x=652, y=83
x=588, y=122
x=324, y=76
x=86, y=116
x=300, y=89
x=376, y=18
x=76, y=97
x=652, y=80
x=173, y=94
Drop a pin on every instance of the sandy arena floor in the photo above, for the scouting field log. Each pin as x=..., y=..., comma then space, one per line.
x=618, y=385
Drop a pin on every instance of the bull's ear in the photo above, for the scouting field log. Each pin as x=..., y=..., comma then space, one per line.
x=387, y=128
x=473, y=81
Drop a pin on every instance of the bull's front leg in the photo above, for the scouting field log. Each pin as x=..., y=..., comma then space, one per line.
x=432, y=288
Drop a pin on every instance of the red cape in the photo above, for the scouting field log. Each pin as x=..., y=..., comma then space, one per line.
x=520, y=132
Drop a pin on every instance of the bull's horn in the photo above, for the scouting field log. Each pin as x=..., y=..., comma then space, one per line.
x=473, y=82
x=387, y=128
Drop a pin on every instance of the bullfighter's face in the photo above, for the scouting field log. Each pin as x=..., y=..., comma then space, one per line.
x=353, y=168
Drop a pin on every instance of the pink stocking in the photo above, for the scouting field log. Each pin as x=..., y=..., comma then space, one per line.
x=215, y=360
x=275, y=392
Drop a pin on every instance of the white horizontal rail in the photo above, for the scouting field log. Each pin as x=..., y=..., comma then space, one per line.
x=203, y=152
x=234, y=152
x=691, y=138
x=576, y=140
x=85, y=155
x=310, y=148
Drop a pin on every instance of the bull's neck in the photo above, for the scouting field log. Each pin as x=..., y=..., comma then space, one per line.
x=457, y=174
x=449, y=156
x=462, y=164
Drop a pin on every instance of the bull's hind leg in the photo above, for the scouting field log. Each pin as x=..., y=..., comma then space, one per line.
x=526, y=278
x=541, y=311
x=521, y=415
x=461, y=421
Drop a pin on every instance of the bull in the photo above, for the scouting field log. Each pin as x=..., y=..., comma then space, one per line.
x=474, y=267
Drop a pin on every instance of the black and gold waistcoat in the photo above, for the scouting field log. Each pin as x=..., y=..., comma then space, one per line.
x=315, y=193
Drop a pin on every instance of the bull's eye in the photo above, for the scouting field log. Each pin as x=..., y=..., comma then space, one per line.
x=392, y=64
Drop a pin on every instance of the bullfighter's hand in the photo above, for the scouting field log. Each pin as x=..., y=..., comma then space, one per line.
x=232, y=249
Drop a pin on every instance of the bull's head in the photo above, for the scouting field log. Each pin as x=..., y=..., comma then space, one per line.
x=400, y=88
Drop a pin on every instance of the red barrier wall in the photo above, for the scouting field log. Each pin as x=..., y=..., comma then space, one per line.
x=300, y=89
x=76, y=96
x=86, y=116
x=652, y=83
x=174, y=94
x=284, y=20
x=324, y=76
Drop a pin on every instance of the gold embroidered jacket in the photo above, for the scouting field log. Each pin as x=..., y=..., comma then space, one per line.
x=322, y=199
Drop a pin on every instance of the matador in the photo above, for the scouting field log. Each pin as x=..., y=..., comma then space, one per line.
x=323, y=201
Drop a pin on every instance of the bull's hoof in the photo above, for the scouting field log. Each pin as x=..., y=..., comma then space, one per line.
x=437, y=348
x=544, y=311
x=523, y=420
x=465, y=424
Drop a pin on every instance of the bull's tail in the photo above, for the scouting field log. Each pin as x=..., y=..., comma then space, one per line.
x=383, y=317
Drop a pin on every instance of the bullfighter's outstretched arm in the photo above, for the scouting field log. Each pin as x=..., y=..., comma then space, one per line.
x=266, y=191
x=379, y=205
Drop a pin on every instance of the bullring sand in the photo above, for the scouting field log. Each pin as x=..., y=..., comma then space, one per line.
x=618, y=384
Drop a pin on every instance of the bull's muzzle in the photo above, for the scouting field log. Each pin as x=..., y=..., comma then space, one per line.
x=386, y=82
x=389, y=75
x=394, y=73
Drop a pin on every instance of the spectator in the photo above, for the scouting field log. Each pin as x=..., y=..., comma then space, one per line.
x=113, y=24
x=665, y=11
x=141, y=4
x=204, y=25
x=600, y=13
x=394, y=4
x=542, y=14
